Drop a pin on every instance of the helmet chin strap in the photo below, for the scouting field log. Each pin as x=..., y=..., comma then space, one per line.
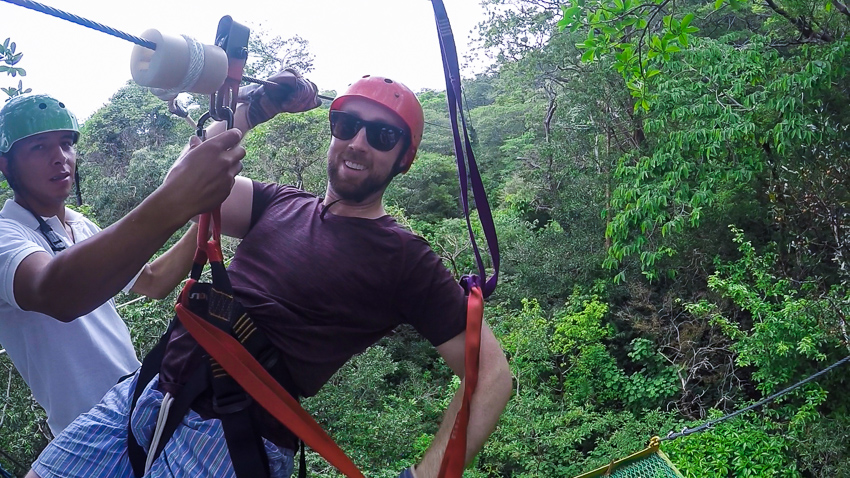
x=77, y=186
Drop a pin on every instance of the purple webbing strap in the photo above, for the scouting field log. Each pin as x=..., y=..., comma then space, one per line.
x=454, y=96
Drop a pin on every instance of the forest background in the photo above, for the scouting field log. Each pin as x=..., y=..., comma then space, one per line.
x=669, y=182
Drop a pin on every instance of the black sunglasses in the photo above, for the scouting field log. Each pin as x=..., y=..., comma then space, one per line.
x=381, y=136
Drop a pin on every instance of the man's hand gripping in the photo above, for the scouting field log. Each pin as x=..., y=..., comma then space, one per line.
x=293, y=94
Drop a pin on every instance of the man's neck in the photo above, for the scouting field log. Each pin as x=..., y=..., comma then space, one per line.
x=370, y=208
x=43, y=210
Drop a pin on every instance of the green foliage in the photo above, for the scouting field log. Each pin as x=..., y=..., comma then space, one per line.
x=638, y=36
x=23, y=424
x=735, y=448
x=290, y=149
x=10, y=59
x=630, y=136
x=717, y=130
x=268, y=55
x=112, y=197
x=383, y=406
x=792, y=334
x=429, y=191
x=592, y=374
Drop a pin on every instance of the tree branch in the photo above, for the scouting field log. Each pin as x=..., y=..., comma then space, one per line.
x=800, y=22
x=841, y=7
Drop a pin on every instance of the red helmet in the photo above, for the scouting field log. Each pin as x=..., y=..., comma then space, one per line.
x=398, y=98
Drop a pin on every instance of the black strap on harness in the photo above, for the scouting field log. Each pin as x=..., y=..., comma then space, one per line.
x=215, y=303
x=56, y=242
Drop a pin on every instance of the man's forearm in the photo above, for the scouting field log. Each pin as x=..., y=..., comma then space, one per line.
x=161, y=276
x=488, y=401
x=87, y=275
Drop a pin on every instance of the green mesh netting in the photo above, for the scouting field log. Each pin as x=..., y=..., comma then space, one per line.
x=650, y=463
x=655, y=465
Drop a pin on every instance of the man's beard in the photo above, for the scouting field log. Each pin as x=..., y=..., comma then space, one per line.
x=357, y=192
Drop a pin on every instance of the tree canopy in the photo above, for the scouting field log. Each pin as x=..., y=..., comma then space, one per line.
x=669, y=181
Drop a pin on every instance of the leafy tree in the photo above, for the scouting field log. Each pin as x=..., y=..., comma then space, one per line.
x=290, y=149
x=10, y=60
x=269, y=54
x=429, y=191
x=133, y=119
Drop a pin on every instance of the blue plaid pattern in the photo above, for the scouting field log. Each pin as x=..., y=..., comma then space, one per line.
x=95, y=444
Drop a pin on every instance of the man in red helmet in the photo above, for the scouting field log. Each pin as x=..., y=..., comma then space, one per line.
x=323, y=279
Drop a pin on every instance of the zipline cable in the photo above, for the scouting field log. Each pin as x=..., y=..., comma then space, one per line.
x=83, y=22
x=55, y=12
x=688, y=431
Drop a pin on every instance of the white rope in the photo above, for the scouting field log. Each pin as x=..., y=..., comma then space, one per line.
x=160, y=424
x=196, y=66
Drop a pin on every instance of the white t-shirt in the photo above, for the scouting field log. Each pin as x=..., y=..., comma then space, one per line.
x=68, y=366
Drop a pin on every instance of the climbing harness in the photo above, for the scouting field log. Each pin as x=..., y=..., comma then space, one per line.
x=242, y=368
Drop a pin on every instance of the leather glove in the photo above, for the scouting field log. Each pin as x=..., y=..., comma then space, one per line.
x=294, y=94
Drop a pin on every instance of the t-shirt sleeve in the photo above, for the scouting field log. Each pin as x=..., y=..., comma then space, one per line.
x=264, y=193
x=129, y=286
x=15, y=246
x=429, y=297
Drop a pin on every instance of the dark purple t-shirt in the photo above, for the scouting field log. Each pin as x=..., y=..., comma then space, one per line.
x=324, y=287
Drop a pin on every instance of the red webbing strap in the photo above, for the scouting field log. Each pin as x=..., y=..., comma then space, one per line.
x=209, y=249
x=264, y=389
x=248, y=373
x=455, y=456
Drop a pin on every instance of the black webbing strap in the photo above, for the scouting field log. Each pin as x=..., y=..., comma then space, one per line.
x=230, y=401
x=194, y=387
x=56, y=242
x=302, y=462
x=149, y=369
x=244, y=442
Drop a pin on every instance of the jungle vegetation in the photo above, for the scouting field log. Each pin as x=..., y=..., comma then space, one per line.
x=669, y=181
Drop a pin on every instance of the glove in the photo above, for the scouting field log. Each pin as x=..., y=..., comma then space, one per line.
x=407, y=473
x=294, y=94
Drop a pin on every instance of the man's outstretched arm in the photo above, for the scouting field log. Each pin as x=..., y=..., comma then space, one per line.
x=160, y=277
x=82, y=278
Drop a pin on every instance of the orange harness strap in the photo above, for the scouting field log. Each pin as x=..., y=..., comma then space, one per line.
x=455, y=457
x=245, y=369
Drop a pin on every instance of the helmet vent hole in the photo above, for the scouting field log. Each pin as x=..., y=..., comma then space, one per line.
x=61, y=105
x=387, y=80
x=42, y=106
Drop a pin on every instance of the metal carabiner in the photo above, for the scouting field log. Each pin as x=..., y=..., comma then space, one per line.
x=231, y=37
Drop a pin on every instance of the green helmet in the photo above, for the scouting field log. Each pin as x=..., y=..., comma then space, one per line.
x=28, y=115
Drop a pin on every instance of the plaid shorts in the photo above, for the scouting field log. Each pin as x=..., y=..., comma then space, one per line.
x=95, y=444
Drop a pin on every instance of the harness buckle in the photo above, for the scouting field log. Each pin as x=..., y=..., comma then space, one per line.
x=231, y=403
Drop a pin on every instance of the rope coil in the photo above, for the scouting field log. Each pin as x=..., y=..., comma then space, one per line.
x=196, y=67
